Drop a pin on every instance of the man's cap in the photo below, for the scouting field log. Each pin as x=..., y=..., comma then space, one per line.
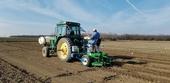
x=94, y=29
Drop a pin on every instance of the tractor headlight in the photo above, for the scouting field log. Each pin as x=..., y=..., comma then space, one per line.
x=87, y=38
x=75, y=49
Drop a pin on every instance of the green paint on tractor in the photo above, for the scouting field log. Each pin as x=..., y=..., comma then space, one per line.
x=100, y=59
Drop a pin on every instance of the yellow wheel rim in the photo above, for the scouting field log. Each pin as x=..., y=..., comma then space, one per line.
x=64, y=50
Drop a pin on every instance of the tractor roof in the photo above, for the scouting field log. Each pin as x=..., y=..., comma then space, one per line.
x=68, y=23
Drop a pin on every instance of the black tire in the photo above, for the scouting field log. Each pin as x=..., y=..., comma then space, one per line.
x=45, y=51
x=66, y=54
x=86, y=61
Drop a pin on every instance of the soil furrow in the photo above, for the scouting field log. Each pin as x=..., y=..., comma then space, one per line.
x=138, y=75
x=147, y=70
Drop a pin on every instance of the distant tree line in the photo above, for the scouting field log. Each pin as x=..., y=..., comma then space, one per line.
x=114, y=37
x=25, y=36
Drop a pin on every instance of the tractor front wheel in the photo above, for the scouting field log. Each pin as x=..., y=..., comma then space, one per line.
x=45, y=51
x=85, y=60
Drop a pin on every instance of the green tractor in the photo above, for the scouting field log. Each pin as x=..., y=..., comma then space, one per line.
x=69, y=44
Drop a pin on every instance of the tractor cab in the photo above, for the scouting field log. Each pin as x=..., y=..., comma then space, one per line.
x=68, y=29
x=71, y=30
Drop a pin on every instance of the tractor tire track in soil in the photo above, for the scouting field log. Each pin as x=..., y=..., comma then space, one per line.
x=67, y=73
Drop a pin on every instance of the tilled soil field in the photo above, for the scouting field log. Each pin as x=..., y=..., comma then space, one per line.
x=10, y=74
x=134, y=62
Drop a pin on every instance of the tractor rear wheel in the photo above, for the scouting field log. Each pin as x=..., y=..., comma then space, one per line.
x=85, y=60
x=64, y=49
x=45, y=51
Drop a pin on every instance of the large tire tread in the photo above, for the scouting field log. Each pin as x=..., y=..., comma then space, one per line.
x=69, y=43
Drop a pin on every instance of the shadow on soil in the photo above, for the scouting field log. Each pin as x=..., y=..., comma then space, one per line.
x=120, y=60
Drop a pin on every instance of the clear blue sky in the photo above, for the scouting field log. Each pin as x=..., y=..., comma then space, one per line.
x=39, y=17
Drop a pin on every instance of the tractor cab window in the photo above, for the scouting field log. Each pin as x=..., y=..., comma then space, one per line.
x=61, y=30
x=76, y=30
x=73, y=30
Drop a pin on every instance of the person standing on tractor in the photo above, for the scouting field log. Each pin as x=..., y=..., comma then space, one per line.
x=95, y=40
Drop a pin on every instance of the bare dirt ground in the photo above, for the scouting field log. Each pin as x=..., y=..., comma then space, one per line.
x=134, y=62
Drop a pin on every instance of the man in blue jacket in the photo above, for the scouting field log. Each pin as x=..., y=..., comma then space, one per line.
x=95, y=37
